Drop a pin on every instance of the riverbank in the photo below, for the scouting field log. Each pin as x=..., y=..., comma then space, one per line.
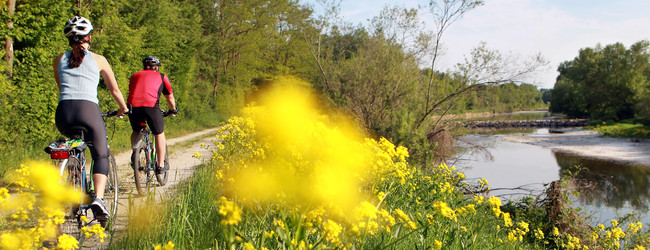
x=589, y=143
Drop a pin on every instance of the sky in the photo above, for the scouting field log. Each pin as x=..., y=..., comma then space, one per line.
x=556, y=29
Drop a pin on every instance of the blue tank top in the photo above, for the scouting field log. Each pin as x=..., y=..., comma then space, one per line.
x=81, y=82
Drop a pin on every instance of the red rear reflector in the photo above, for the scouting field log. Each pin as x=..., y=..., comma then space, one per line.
x=59, y=155
x=143, y=124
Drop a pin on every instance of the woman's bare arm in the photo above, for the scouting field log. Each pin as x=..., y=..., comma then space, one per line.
x=56, y=70
x=111, y=83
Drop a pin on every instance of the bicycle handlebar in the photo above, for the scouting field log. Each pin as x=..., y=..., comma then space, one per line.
x=110, y=113
x=113, y=113
x=169, y=112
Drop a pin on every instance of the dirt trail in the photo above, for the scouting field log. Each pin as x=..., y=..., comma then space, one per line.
x=182, y=165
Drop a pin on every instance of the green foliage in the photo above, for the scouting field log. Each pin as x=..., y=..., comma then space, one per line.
x=216, y=51
x=624, y=130
x=605, y=83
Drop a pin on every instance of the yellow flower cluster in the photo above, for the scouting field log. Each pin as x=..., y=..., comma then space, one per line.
x=230, y=211
x=495, y=203
x=368, y=219
x=443, y=209
x=39, y=184
x=94, y=230
x=321, y=176
x=404, y=218
x=169, y=246
x=517, y=233
x=332, y=231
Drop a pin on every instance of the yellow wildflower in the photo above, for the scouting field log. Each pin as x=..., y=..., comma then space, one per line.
x=169, y=246
x=367, y=211
x=93, y=230
x=66, y=242
x=279, y=223
x=511, y=236
x=634, y=227
x=332, y=231
x=479, y=199
x=437, y=244
x=523, y=226
x=507, y=221
x=403, y=216
x=555, y=232
x=230, y=211
x=539, y=234
x=443, y=209
x=249, y=246
x=381, y=196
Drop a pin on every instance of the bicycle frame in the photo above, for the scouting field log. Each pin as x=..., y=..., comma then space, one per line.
x=74, y=149
x=145, y=157
x=150, y=144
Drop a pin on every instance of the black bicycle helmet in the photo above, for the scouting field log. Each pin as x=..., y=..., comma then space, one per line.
x=77, y=27
x=151, y=61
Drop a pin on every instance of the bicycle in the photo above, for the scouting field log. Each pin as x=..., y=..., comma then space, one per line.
x=70, y=154
x=145, y=159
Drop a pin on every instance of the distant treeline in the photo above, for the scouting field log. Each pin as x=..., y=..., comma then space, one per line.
x=610, y=83
x=216, y=52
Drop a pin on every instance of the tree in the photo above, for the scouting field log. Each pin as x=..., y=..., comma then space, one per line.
x=444, y=15
x=604, y=83
x=9, y=42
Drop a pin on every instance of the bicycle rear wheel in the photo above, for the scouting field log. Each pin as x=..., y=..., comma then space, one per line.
x=162, y=178
x=111, y=191
x=141, y=171
x=73, y=222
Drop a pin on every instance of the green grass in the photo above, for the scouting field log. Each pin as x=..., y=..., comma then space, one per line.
x=407, y=207
x=119, y=133
x=623, y=130
x=188, y=219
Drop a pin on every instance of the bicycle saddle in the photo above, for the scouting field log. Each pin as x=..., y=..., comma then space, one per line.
x=75, y=132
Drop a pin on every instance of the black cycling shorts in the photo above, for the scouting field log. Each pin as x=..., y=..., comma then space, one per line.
x=82, y=113
x=150, y=115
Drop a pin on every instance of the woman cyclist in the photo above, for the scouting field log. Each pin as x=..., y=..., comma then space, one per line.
x=77, y=74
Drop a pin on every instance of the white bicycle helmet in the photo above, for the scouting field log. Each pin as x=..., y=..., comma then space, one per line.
x=77, y=26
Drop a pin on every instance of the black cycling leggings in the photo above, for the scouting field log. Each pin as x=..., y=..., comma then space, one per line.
x=86, y=114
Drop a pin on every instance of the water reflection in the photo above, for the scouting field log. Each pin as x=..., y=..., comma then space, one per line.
x=522, y=169
x=619, y=187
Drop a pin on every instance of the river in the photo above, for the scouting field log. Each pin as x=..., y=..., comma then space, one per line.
x=514, y=170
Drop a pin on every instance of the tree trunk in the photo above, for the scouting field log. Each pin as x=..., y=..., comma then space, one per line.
x=9, y=42
x=216, y=83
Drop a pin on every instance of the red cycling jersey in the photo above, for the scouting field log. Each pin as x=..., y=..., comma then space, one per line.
x=145, y=87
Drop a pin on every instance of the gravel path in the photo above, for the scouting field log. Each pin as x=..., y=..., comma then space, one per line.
x=182, y=165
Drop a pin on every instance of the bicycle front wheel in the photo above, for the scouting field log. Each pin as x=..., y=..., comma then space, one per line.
x=111, y=191
x=141, y=171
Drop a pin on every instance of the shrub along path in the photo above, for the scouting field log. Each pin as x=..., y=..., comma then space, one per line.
x=182, y=163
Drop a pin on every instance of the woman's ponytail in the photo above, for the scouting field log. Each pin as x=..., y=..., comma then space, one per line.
x=78, y=52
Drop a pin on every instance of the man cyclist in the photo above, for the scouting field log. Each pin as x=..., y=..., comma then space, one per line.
x=145, y=88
